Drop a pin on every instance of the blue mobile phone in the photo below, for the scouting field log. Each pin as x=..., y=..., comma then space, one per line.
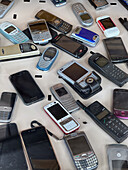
x=47, y=59
x=86, y=36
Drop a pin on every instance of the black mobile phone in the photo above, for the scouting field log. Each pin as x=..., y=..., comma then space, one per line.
x=26, y=87
x=99, y=4
x=39, y=149
x=54, y=21
x=69, y=45
x=11, y=151
x=116, y=50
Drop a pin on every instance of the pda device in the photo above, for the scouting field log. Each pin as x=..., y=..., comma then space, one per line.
x=86, y=36
x=106, y=68
x=82, y=15
x=13, y=33
x=61, y=117
x=18, y=51
x=106, y=120
x=7, y=103
x=58, y=3
x=5, y=6
x=80, y=78
x=39, y=31
x=54, y=21
x=99, y=4
x=47, y=59
x=81, y=151
x=63, y=95
x=117, y=157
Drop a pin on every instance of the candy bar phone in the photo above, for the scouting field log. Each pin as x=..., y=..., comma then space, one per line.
x=99, y=4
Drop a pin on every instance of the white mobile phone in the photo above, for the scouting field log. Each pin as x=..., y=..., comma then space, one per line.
x=61, y=117
x=107, y=26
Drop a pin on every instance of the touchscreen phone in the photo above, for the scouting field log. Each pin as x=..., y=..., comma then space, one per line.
x=26, y=87
x=39, y=149
x=11, y=151
x=116, y=50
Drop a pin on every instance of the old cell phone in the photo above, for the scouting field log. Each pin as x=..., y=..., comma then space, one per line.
x=107, y=26
x=18, y=51
x=58, y=3
x=11, y=154
x=117, y=156
x=63, y=95
x=82, y=14
x=106, y=120
x=39, y=31
x=81, y=151
x=26, y=87
x=5, y=6
x=69, y=45
x=13, y=33
x=99, y=4
x=47, y=59
x=7, y=103
x=120, y=103
x=61, y=117
x=54, y=21
x=116, y=50
x=86, y=36
x=39, y=149
x=102, y=65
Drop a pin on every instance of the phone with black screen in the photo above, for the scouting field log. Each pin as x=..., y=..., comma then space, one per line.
x=116, y=50
x=69, y=45
x=39, y=149
x=26, y=87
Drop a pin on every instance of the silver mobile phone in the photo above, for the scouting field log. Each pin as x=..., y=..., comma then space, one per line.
x=99, y=4
x=62, y=94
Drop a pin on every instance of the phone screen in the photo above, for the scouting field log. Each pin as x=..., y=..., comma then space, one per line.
x=107, y=23
x=38, y=27
x=39, y=149
x=26, y=87
x=120, y=164
x=5, y=2
x=61, y=92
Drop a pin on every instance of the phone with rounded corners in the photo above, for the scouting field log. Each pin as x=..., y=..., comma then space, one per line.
x=99, y=4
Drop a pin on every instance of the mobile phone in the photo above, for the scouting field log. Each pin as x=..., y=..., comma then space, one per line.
x=117, y=156
x=116, y=50
x=80, y=77
x=81, y=151
x=107, y=26
x=7, y=103
x=69, y=45
x=99, y=4
x=124, y=3
x=54, y=21
x=106, y=120
x=47, y=59
x=82, y=14
x=86, y=36
x=120, y=103
x=63, y=95
x=61, y=117
x=58, y=3
x=11, y=154
x=5, y=6
x=106, y=68
x=26, y=87
x=18, y=51
x=39, y=31
x=39, y=149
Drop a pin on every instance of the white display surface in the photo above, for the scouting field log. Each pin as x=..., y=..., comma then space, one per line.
x=23, y=115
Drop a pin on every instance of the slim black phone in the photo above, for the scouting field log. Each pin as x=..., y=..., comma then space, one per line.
x=39, y=149
x=26, y=87
x=116, y=50
x=69, y=45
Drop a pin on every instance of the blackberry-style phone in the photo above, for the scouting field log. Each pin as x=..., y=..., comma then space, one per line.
x=99, y=4
x=47, y=59
x=117, y=156
x=7, y=103
x=58, y=3
x=106, y=120
x=82, y=15
x=54, y=21
x=102, y=65
x=13, y=33
x=63, y=95
x=81, y=151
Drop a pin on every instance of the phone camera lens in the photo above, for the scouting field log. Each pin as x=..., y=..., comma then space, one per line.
x=89, y=80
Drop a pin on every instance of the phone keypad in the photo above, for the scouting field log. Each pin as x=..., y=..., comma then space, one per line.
x=78, y=7
x=20, y=37
x=41, y=37
x=4, y=115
